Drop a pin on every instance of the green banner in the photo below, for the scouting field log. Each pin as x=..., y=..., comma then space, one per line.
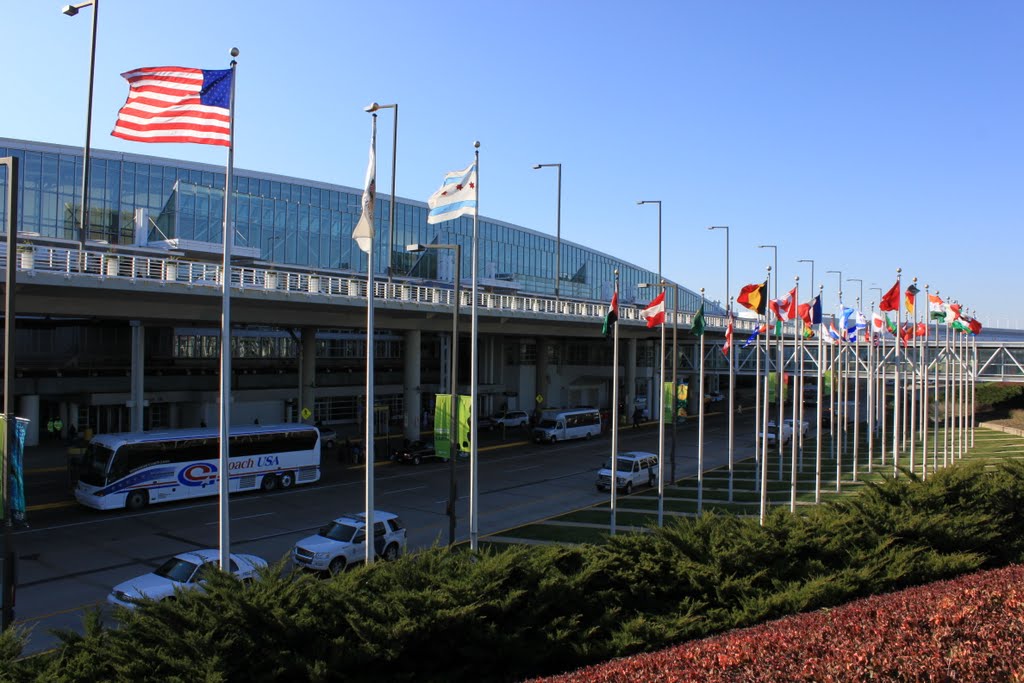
x=826, y=382
x=773, y=386
x=668, y=390
x=443, y=425
x=465, y=420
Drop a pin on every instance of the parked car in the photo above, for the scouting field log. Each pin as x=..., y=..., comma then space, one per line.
x=485, y=424
x=634, y=468
x=342, y=542
x=328, y=437
x=512, y=418
x=787, y=433
x=416, y=453
x=184, y=571
x=804, y=425
x=716, y=396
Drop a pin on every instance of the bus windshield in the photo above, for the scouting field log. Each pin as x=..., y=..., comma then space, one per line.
x=547, y=424
x=95, y=463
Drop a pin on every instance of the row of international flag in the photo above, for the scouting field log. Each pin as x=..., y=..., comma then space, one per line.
x=848, y=325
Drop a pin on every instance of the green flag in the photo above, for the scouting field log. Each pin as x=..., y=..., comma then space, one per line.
x=698, y=322
x=443, y=425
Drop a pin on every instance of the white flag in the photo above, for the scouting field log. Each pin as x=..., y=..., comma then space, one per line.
x=456, y=197
x=363, y=232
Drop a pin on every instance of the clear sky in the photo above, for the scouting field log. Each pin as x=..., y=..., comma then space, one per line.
x=868, y=136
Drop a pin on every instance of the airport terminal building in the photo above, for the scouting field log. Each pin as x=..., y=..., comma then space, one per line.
x=82, y=367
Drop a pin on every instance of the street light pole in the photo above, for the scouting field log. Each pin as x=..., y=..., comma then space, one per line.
x=394, y=167
x=558, y=229
x=453, y=373
x=732, y=364
x=72, y=10
x=811, y=261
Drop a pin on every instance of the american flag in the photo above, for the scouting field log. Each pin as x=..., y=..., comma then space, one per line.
x=176, y=104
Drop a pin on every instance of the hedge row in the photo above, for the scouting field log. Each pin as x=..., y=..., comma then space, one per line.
x=443, y=615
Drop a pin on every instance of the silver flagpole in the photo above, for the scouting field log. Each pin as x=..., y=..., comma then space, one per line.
x=882, y=395
x=974, y=385
x=963, y=394
x=224, y=477
x=817, y=428
x=946, y=443
x=856, y=393
x=757, y=400
x=923, y=365
x=369, y=413
x=935, y=394
x=615, y=410
x=732, y=407
x=797, y=426
x=896, y=386
x=870, y=388
x=700, y=418
x=838, y=380
x=474, y=447
x=912, y=426
x=764, y=415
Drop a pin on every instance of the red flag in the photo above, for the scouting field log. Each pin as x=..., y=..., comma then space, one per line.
x=922, y=330
x=891, y=300
x=654, y=314
x=975, y=326
x=727, y=346
x=784, y=309
x=753, y=297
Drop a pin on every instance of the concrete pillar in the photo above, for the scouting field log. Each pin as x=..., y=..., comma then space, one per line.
x=411, y=385
x=28, y=407
x=542, y=374
x=138, y=376
x=630, y=392
x=307, y=373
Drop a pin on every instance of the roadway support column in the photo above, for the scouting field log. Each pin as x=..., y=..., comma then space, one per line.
x=542, y=374
x=630, y=380
x=413, y=401
x=138, y=376
x=307, y=374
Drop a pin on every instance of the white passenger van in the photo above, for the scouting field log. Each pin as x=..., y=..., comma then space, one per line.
x=561, y=425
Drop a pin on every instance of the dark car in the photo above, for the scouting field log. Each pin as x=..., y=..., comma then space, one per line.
x=415, y=453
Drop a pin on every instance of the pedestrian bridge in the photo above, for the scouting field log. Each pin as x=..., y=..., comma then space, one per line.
x=56, y=278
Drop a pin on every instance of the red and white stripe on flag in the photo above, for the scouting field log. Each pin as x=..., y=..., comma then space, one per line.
x=728, y=338
x=176, y=104
x=654, y=314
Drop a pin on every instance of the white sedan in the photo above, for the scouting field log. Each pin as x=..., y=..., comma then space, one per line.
x=185, y=571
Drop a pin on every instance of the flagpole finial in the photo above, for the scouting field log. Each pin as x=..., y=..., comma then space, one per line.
x=234, y=52
x=898, y=271
x=476, y=144
x=796, y=278
x=915, y=280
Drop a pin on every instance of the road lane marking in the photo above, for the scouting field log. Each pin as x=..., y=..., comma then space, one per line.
x=238, y=519
x=521, y=469
x=413, y=488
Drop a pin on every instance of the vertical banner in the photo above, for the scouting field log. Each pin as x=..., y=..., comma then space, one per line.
x=16, y=478
x=682, y=395
x=668, y=390
x=827, y=382
x=443, y=425
x=465, y=421
x=773, y=386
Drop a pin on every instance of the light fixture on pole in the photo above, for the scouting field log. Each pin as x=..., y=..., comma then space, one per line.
x=394, y=167
x=454, y=372
x=72, y=10
x=558, y=229
x=811, y=261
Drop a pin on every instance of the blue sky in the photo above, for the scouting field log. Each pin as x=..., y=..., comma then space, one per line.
x=868, y=136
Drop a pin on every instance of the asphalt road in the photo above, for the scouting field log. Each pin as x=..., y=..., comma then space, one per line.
x=71, y=557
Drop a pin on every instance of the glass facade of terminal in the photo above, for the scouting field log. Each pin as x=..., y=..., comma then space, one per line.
x=295, y=222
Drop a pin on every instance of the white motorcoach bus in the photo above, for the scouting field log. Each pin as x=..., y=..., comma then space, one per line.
x=561, y=425
x=135, y=469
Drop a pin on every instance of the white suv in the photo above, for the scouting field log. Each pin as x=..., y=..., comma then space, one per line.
x=343, y=542
x=512, y=418
x=631, y=469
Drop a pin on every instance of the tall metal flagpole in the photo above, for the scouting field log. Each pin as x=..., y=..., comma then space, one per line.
x=856, y=393
x=474, y=447
x=700, y=419
x=882, y=397
x=946, y=443
x=764, y=415
x=675, y=369
x=757, y=401
x=224, y=478
x=7, y=577
x=912, y=427
x=974, y=386
x=368, y=412
x=797, y=427
x=661, y=421
x=935, y=394
x=896, y=385
x=817, y=429
x=923, y=365
x=615, y=411
x=869, y=387
x=732, y=411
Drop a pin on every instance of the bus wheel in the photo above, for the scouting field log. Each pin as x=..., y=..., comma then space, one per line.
x=136, y=500
x=268, y=483
x=589, y=435
x=286, y=480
